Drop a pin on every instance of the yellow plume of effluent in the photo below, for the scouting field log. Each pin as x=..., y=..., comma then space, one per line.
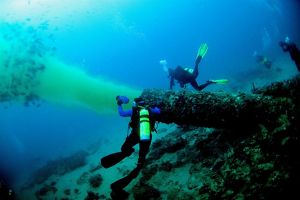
x=61, y=83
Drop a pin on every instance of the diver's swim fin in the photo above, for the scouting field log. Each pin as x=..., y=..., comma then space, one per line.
x=219, y=81
x=119, y=195
x=112, y=159
x=123, y=182
x=202, y=50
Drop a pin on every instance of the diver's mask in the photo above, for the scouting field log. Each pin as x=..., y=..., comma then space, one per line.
x=138, y=102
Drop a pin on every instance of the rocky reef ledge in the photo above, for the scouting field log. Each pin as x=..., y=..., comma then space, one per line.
x=226, y=110
x=249, y=151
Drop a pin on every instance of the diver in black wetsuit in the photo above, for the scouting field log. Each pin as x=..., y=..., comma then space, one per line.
x=288, y=46
x=263, y=60
x=188, y=75
x=142, y=124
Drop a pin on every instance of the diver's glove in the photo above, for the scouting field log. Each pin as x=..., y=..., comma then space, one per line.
x=119, y=101
x=122, y=100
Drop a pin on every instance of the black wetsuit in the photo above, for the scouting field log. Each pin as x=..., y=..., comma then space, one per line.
x=184, y=76
x=294, y=52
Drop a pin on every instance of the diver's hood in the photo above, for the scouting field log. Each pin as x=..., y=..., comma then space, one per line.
x=139, y=101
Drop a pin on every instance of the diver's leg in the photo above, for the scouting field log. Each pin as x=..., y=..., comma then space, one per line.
x=126, y=150
x=123, y=182
x=131, y=140
x=196, y=67
x=118, y=193
x=200, y=87
x=144, y=149
x=195, y=85
x=117, y=187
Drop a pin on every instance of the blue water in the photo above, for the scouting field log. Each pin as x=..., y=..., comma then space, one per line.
x=124, y=40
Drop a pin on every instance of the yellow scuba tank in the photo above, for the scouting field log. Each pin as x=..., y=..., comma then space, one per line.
x=145, y=129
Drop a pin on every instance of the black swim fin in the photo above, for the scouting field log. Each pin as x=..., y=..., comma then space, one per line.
x=112, y=159
x=119, y=195
x=123, y=182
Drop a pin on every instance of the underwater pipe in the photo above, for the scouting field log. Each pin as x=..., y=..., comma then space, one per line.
x=223, y=110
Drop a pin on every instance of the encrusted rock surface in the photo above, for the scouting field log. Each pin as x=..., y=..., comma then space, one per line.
x=249, y=153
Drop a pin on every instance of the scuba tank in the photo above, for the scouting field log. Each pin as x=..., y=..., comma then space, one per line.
x=189, y=70
x=145, y=127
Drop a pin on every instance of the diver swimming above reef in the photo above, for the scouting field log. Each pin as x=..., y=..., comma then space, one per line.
x=187, y=75
x=263, y=60
x=142, y=124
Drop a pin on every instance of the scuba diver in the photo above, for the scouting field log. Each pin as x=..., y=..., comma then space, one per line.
x=142, y=124
x=263, y=60
x=288, y=46
x=188, y=75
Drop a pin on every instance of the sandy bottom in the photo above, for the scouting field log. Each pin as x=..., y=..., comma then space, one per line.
x=74, y=185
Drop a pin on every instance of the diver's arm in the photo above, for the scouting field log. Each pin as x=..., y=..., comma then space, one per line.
x=124, y=113
x=155, y=110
